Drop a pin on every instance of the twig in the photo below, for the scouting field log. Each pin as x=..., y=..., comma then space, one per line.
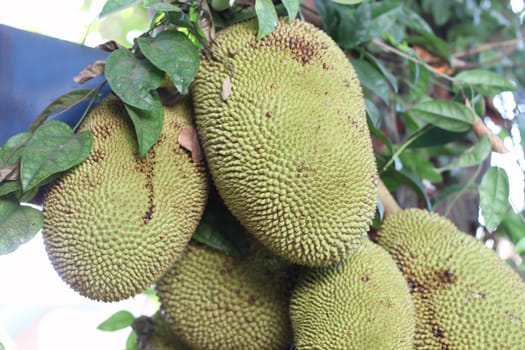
x=390, y=205
x=480, y=129
x=484, y=47
x=388, y=48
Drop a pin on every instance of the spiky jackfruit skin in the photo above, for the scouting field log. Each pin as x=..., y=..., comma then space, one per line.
x=465, y=296
x=364, y=303
x=289, y=148
x=214, y=301
x=117, y=222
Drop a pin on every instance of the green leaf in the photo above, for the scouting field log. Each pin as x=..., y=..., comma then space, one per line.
x=348, y=2
x=119, y=320
x=267, y=17
x=2, y=346
x=396, y=178
x=483, y=81
x=64, y=102
x=494, y=197
x=420, y=79
x=350, y=26
x=53, y=148
x=371, y=79
x=172, y=52
x=513, y=227
x=9, y=187
x=438, y=137
x=133, y=80
x=160, y=6
x=114, y=6
x=447, y=115
x=432, y=43
x=380, y=67
x=219, y=229
x=414, y=21
x=147, y=124
x=473, y=156
x=421, y=166
x=18, y=224
x=131, y=341
x=372, y=112
x=292, y=8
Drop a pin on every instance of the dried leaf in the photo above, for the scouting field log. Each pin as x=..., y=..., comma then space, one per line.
x=109, y=46
x=226, y=88
x=189, y=140
x=10, y=172
x=206, y=22
x=94, y=70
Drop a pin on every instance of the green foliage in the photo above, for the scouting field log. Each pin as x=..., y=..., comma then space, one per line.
x=448, y=115
x=19, y=224
x=119, y=320
x=53, y=148
x=494, y=197
x=267, y=17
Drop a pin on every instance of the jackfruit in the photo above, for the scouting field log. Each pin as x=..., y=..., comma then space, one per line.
x=363, y=303
x=215, y=301
x=283, y=128
x=465, y=296
x=116, y=223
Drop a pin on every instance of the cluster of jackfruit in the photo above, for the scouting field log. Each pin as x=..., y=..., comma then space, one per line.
x=282, y=124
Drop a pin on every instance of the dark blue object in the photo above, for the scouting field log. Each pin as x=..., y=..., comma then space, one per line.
x=34, y=71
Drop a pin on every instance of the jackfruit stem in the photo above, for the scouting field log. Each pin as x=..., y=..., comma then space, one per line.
x=390, y=205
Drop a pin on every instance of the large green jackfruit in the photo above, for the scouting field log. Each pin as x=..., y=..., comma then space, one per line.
x=117, y=222
x=283, y=127
x=216, y=302
x=465, y=296
x=364, y=303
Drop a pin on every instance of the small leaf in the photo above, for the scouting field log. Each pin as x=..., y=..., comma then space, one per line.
x=219, y=229
x=421, y=166
x=65, y=101
x=371, y=79
x=12, y=149
x=447, y=115
x=53, y=148
x=93, y=70
x=18, y=224
x=483, y=81
x=226, y=88
x=9, y=187
x=513, y=227
x=172, y=52
x=474, y=155
x=114, y=6
x=133, y=80
x=147, y=124
x=267, y=17
x=2, y=346
x=119, y=320
x=494, y=197
x=396, y=178
x=292, y=8
x=131, y=341
x=189, y=140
